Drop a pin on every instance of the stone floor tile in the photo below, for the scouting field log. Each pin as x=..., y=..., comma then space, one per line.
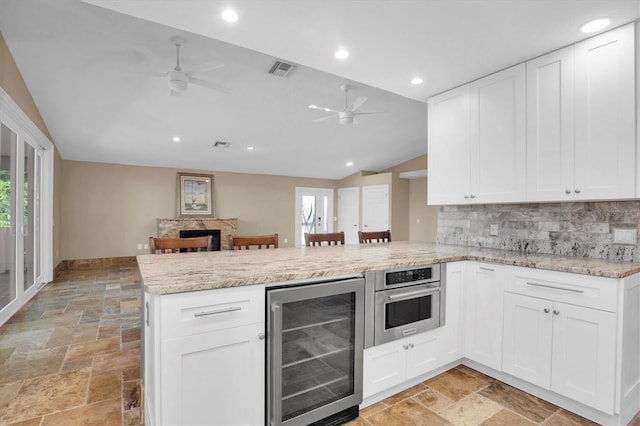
x=74, y=334
x=435, y=401
x=507, y=418
x=104, y=386
x=48, y=394
x=413, y=390
x=407, y=412
x=455, y=384
x=529, y=406
x=94, y=348
x=99, y=414
x=473, y=409
x=372, y=409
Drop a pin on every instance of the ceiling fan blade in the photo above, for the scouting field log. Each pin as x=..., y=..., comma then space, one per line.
x=206, y=67
x=369, y=112
x=321, y=108
x=317, y=120
x=357, y=103
x=209, y=85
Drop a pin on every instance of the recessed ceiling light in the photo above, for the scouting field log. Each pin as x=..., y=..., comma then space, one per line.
x=350, y=163
x=342, y=54
x=250, y=148
x=595, y=25
x=229, y=15
x=176, y=139
x=416, y=80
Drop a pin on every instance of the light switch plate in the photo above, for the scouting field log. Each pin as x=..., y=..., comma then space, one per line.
x=624, y=236
x=493, y=229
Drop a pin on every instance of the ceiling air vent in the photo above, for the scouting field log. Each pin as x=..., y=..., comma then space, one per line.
x=280, y=69
x=221, y=144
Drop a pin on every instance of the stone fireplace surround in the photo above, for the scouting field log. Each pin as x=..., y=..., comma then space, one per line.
x=170, y=228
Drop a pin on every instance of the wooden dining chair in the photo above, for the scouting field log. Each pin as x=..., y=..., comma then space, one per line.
x=374, y=237
x=257, y=241
x=176, y=245
x=331, y=238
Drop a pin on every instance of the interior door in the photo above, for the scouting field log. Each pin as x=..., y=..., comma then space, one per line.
x=314, y=212
x=375, y=208
x=349, y=213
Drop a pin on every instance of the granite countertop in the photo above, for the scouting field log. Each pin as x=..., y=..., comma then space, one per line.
x=185, y=272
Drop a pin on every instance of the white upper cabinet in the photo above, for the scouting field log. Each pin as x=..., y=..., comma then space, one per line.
x=498, y=136
x=605, y=138
x=550, y=126
x=477, y=141
x=561, y=127
x=448, y=137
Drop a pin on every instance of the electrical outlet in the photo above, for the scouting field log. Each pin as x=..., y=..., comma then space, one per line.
x=139, y=246
x=146, y=246
x=493, y=229
x=286, y=240
x=624, y=236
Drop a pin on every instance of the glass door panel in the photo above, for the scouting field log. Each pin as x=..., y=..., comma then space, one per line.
x=8, y=148
x=29, y=216
x=315, y=347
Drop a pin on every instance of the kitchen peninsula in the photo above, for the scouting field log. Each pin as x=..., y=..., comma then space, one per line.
x=495, y=300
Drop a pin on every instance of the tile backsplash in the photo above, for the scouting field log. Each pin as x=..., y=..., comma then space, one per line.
x=573, y=229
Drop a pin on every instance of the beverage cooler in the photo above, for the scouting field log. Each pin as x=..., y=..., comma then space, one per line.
x=314, y=359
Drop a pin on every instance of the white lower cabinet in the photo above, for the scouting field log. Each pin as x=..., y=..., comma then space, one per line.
x=484, y=288
x=204, y=357
x=214, y=379
x=565, y=348
x=388, y=365
x=560, y=334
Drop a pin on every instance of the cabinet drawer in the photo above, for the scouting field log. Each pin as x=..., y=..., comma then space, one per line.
x=198, y=312
x=582, y=290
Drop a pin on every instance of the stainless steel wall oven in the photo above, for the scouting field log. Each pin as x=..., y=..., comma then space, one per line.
x=405, y=301
x=314, y=358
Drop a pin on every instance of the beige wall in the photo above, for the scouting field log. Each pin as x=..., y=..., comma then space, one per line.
x=421, y=219
x=108, y=209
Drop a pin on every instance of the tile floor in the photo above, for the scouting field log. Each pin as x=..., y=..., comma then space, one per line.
x=71, y=357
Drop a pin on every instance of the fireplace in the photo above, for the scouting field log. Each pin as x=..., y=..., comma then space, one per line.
x=215, y=233
x=170, y=228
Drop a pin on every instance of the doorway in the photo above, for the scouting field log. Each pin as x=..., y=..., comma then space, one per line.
x=314, y=212
x=349, y=213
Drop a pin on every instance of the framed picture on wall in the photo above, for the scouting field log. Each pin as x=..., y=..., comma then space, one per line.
x=195, y=195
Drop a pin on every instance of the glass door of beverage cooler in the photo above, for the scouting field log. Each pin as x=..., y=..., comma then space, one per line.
x=315, y=351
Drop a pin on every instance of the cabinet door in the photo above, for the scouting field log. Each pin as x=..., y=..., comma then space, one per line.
x=422, y=353
x=216, y=378
x=448, y=144
x=383, y=367
x=498, y=136
x=452, y=346
x=485, y=293
x=584, y=355
x=550, y=126
x=605, y=155
x=528, y=323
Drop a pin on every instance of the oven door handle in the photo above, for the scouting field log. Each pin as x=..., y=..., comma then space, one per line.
x=412, y=294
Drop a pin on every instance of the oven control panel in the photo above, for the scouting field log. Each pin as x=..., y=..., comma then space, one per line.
x=408, y=276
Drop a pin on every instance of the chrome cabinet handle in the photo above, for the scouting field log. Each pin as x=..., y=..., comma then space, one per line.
x=405, y=347
x=577, y=191
x=411, y=345
x=473, y=196
x=261, y=336
x=466, y=197
x=147, y=308
x=567, y=191
x=484, y=268
x=219, y=311
x=574, y=290
x=546, y=310
x=556, y=312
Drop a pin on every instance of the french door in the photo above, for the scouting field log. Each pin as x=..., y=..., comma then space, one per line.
x=314, y=212
x=25, y=251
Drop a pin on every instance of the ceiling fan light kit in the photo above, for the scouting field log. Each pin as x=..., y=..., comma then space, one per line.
x=348, y=113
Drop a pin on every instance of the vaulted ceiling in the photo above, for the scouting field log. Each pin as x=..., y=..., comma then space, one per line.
x=96, y=70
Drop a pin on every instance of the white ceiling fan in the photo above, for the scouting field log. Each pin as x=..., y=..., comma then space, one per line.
x=178, y=80
x=348, y=112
